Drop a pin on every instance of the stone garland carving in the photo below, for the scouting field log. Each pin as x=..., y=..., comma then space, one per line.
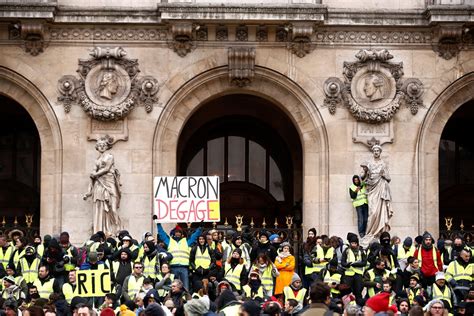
x=241, y=65
x=373, y=89
x=241, y=33
x=450, y=41
x=262, y=33
x=32, y=36
x=109, y=86
x=107, y=34
x=221, y=33
x=359, y=37
x=300, y=44
x=182, y=42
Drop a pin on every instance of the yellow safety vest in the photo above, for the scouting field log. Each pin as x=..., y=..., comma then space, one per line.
x=445, y=295
x=30, y=272
x=371, y=290
x=5, y=295
x=44, y=290
x=40, y=250
x=180, y=251
x=18, y=280
x=336, y=277
x=5, y=256
x=353, y=258
x=317, y=267
x=134, y=286
x=163, y=292
x=141, y=253
x=68, y=292
x=435, y=259
x=412, y=293
x=403, y=254
x=149, y=267
x=288, y=292
x=248, y=292
x=116, y=266
x=18, y=255
x=231, y=310
x=267, y=279
x=361, y=197
x=233, y=275
x=458, y=272
x=69, y=266
x=202, y=260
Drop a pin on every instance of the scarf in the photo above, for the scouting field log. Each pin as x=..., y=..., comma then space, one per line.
x=254, y=286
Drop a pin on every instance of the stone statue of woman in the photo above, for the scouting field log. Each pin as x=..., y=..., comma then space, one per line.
x=104, y=188
x=376, y=176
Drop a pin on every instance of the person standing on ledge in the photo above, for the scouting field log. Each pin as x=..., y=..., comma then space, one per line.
x=358, y=193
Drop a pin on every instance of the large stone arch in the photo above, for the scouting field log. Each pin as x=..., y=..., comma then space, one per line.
x=453, y=97
x=20, y=89
x=279, y=90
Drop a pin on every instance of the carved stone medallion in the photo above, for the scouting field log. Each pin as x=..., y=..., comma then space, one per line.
x=373, y=88
x=109, y=86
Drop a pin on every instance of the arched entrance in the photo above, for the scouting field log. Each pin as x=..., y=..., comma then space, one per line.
x=255, y=150
x=20, y=161
x=456, y=168
x=22, y=92
x=279, y=91
x=452, y=98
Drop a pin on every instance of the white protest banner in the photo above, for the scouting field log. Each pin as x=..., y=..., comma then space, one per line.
x=186, y=199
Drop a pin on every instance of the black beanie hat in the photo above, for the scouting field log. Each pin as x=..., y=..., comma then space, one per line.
x=313, y=230
x=408, y=242
x=351, y=237
x=419, y=239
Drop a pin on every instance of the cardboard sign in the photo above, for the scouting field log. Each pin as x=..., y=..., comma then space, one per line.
x=186, y=199
x=91, y=283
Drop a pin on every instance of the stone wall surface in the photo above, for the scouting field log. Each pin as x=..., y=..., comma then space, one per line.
x=295, y=84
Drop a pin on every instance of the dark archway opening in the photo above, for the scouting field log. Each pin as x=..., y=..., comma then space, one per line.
x=20, y=161
x=456, y=169
x=254, y=148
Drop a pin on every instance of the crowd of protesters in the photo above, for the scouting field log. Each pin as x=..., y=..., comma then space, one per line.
x=207, y=273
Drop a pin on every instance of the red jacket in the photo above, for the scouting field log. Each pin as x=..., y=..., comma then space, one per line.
x=428, y=267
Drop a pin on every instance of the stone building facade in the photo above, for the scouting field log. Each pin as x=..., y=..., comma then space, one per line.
x=300, y=68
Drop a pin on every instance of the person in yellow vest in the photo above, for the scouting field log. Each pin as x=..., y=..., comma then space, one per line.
x=320, y=256
x=121, y=269
x=296, y=291
x=200, y=259
x=374, y=278
x=354, y=260
x=164, y=278
x=414, y=289
x=235, y=271
x=38, y=245
x=29, y=265
x=440, y=291
x=358, y=193
x=216, y=245
x=19, y=251
x=19, y=280
x=6, y=251
x=227, y=304
x=429, y=259
x=309, y=270
x=127, y=242
x=69, y=288
x=133, y=283
x=267, y=271
x=12, y=291
x=238, y=242
x=331, y=275
x=253, y=290
x=70, y=251
x=403, y=251
x=459, y=274
x=45, y=284
x=179, y=246
x=150, y=260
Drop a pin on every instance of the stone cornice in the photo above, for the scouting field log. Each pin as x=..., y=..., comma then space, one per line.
x=449, y=13
x=28, y=11
x=307, y=12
